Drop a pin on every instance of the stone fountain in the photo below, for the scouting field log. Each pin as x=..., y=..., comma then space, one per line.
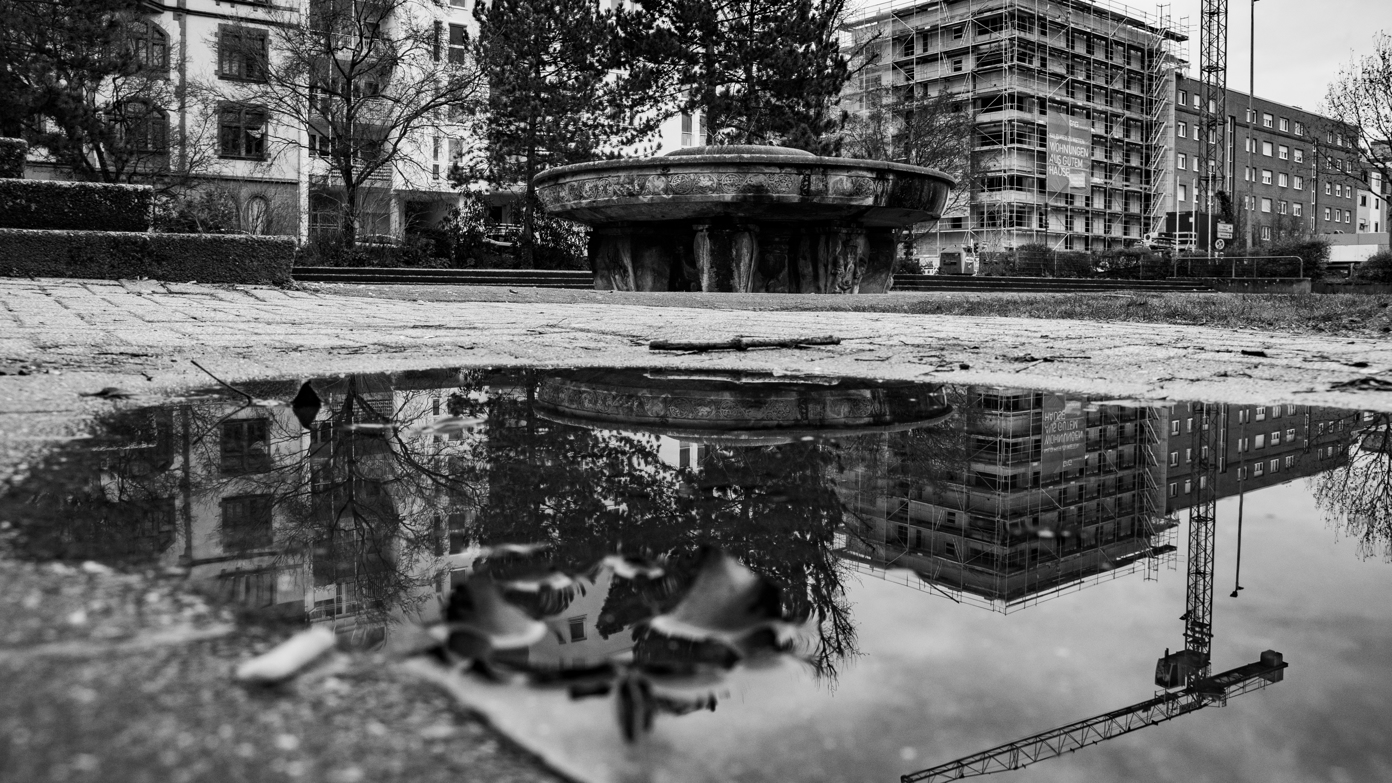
x=747, y=219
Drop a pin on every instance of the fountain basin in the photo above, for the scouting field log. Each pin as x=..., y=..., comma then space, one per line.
x=743, y=218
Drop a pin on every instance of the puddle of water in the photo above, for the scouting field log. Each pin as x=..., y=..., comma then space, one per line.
x=759, y=578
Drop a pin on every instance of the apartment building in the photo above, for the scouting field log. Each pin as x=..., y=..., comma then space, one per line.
x=1073, y=107
x=1028, y=494
x=1291, y=172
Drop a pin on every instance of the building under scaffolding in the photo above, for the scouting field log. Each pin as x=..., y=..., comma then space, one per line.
x=1026, y=496
x=1031, y=71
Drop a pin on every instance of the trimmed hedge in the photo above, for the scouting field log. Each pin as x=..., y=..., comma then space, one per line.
x=76, y=206
x=206, y=258
x=12, y=155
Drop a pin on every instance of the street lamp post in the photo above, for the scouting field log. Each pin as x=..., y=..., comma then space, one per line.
x=1251, y=174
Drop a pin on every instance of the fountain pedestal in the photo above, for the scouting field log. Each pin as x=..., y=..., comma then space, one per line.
x=744, y=219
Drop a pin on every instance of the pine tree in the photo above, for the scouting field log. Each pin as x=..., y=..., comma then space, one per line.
x=554, y=95
x=85, y=85
x=761, y=71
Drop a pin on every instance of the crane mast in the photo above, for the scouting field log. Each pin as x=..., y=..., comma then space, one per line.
x=1213, y=113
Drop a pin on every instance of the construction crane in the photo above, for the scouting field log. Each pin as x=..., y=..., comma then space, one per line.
x=1065, y=739
x=1213, y=114
x=1205, y=427
x=1188, y=670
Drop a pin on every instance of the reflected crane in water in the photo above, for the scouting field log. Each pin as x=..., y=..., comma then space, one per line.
x=1184, y=674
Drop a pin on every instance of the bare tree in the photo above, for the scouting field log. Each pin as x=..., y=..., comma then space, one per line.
x=1361, y=96
x=366, y=80
x=1357, y=494
x=934, y=130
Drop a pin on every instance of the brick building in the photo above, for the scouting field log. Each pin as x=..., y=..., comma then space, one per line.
x=1292, y=172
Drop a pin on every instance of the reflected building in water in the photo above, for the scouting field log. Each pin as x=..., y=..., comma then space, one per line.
x=1024, y=495
x=1259, y=446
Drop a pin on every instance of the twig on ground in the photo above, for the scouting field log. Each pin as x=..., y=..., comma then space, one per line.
x=223, y=383
x=742, y=343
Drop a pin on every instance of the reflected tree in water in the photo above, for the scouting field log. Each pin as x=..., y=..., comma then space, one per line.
x=1357, y=494
x=590, y=493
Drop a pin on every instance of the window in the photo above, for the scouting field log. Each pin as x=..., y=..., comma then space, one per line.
x=1266, y=205
x=242, y=131
x=458, y=44
x=1183, y=97
x=1250, y=115
x=1188, y=486
x=241, y=53
x=1196, y=100
x=1290, y=460
x=1326, y=213
x=1188, y=455
x=958, y=64
x=1338, y=190
x=1259, y=442
x=246, y=522
x=1183, y=193
x=1363, y=200
x=1241, y=445
x=1299, y=182
x=1258, y=469
x=686, y=129
x=1276, y=438
x=1281, y=207
x=150, y=45
x=1182, y=161
x=1300, y=129
x=1283, y=152
x=1174, y=490
x=1266, y=176
x=1181, y=129
x=1328, y=189
x=1174, y=459
x=1266, y=232
x=143, y=127
x=1298, y=209
x=1196, y=132
x=1285, y=124
x=958, y=32
x=245, y=447
x=1266, y=148
x=1299, y=156
x=1282, y=179
x=1241, y=474
x=1266, y=120
x=1348, y=216
x=577, y=629
x=1174, y=427
x=1275, y=465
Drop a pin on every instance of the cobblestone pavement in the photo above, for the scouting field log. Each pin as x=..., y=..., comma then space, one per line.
x=83, y=709
x=141, y=336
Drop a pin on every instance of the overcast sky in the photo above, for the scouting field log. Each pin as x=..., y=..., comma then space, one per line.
x=1301, y=44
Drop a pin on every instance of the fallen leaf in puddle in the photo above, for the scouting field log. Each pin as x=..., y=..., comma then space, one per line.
x=109, y=393
x=287, y=658
x=726, y=601
x=306, y=405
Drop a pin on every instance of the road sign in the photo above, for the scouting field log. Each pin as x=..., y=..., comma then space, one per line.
x=1219, y=244
x=1225, y=230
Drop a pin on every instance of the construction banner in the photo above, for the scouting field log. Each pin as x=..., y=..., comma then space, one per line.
x=1064, y=449
x=1069, y=155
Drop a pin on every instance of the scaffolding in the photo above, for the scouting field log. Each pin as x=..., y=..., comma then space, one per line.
x=995, y=532
x=1013, y=63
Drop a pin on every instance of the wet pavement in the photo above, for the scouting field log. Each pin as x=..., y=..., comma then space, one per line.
x=688, y=573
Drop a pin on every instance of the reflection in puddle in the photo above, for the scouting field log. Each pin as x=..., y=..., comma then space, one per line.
x=674, y=526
